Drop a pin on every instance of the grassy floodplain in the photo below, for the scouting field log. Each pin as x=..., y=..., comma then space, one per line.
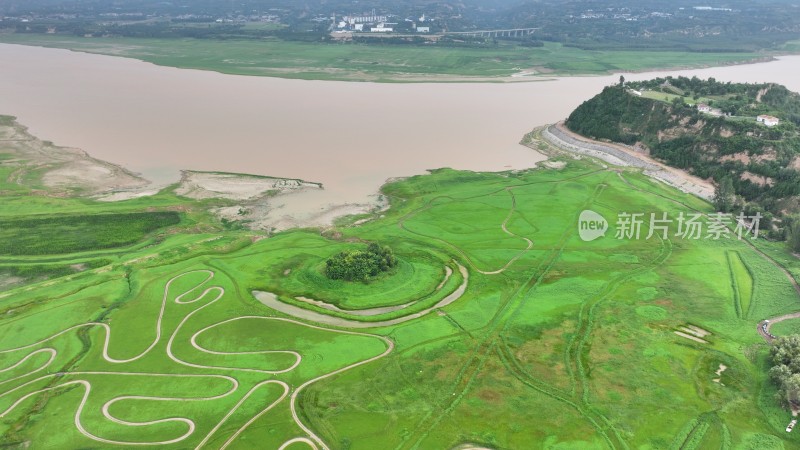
x=555, y=343
x=276, y=58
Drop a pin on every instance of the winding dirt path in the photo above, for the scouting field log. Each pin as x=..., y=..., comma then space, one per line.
x=271, y=301
x=764, y=326
x=367, y=312
x=296, y=393
x=215, y=293
x=503, y=227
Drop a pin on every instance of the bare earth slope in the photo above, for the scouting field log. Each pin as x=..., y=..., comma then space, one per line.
x=41, y=165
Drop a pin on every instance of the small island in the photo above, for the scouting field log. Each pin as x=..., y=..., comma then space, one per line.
x=360, y=265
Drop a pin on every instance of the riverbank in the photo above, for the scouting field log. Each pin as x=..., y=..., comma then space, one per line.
x=620, y=155
x=506, y=62
x=30, y=162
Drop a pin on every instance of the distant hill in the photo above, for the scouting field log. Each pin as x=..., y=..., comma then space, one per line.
x=709, y=129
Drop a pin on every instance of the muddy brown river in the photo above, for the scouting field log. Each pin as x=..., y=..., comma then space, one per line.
x=349, y=136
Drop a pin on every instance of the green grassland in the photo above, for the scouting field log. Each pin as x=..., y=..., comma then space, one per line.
x=71, y=234
x=667, y=97
x=556, y=343
x=361, y=62
x=791, y=46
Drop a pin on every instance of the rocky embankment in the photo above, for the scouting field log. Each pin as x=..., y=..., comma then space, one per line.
x=620, y=155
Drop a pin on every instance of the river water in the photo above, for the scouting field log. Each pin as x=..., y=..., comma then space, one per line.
x=349, y=136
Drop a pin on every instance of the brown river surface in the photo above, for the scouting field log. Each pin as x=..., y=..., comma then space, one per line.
x=349, y=136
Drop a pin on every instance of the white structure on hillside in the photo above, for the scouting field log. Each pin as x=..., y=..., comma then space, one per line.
x=769, y=121
x=703, y=108
x=382, y=28
x=352, y=20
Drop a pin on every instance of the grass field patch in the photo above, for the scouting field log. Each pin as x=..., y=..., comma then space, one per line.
x=70, y=234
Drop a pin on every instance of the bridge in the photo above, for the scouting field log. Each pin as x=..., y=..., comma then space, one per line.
x=512, y=32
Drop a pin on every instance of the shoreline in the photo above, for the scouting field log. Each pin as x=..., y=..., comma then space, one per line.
x=560, y=137
x=259, y=202
x=274, y=215
x=521, y=76
x=61, y=171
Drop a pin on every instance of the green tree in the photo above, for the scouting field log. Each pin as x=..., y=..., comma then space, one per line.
x=791, y=389
x=793, y=233
x=724, y=195
x=785, y=372
x=360, y=265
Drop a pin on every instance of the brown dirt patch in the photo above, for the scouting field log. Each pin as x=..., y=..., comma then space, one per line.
x=664, y=302
x=553, y=276
x=757, y=179
x=543, y=358
x=769, y=155
x=490, y=395
x=743, y=158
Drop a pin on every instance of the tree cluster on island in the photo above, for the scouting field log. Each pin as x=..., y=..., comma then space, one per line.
x=360, y=265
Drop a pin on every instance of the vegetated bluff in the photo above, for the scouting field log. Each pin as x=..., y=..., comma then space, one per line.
x=662, y=117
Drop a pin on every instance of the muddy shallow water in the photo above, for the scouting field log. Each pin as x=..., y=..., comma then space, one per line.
x=349, y=136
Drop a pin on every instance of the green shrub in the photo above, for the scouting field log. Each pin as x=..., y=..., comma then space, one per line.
x=360, y=265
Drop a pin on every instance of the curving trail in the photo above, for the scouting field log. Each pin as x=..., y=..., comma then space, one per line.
x=367, y=312
x=296, y=393
x=307, y=441
x=49, y=351
x=159, y=320
x=490, y=341
x=286, y=390
x=764, y=326
x=198, y=294
x=503, y=227
x=271, y=301
x=88, y=388
x=193, y=342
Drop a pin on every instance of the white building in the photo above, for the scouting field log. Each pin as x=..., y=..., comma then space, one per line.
x=703, y=108
x=423, y=29
x=352, y=20
x=769, y=121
